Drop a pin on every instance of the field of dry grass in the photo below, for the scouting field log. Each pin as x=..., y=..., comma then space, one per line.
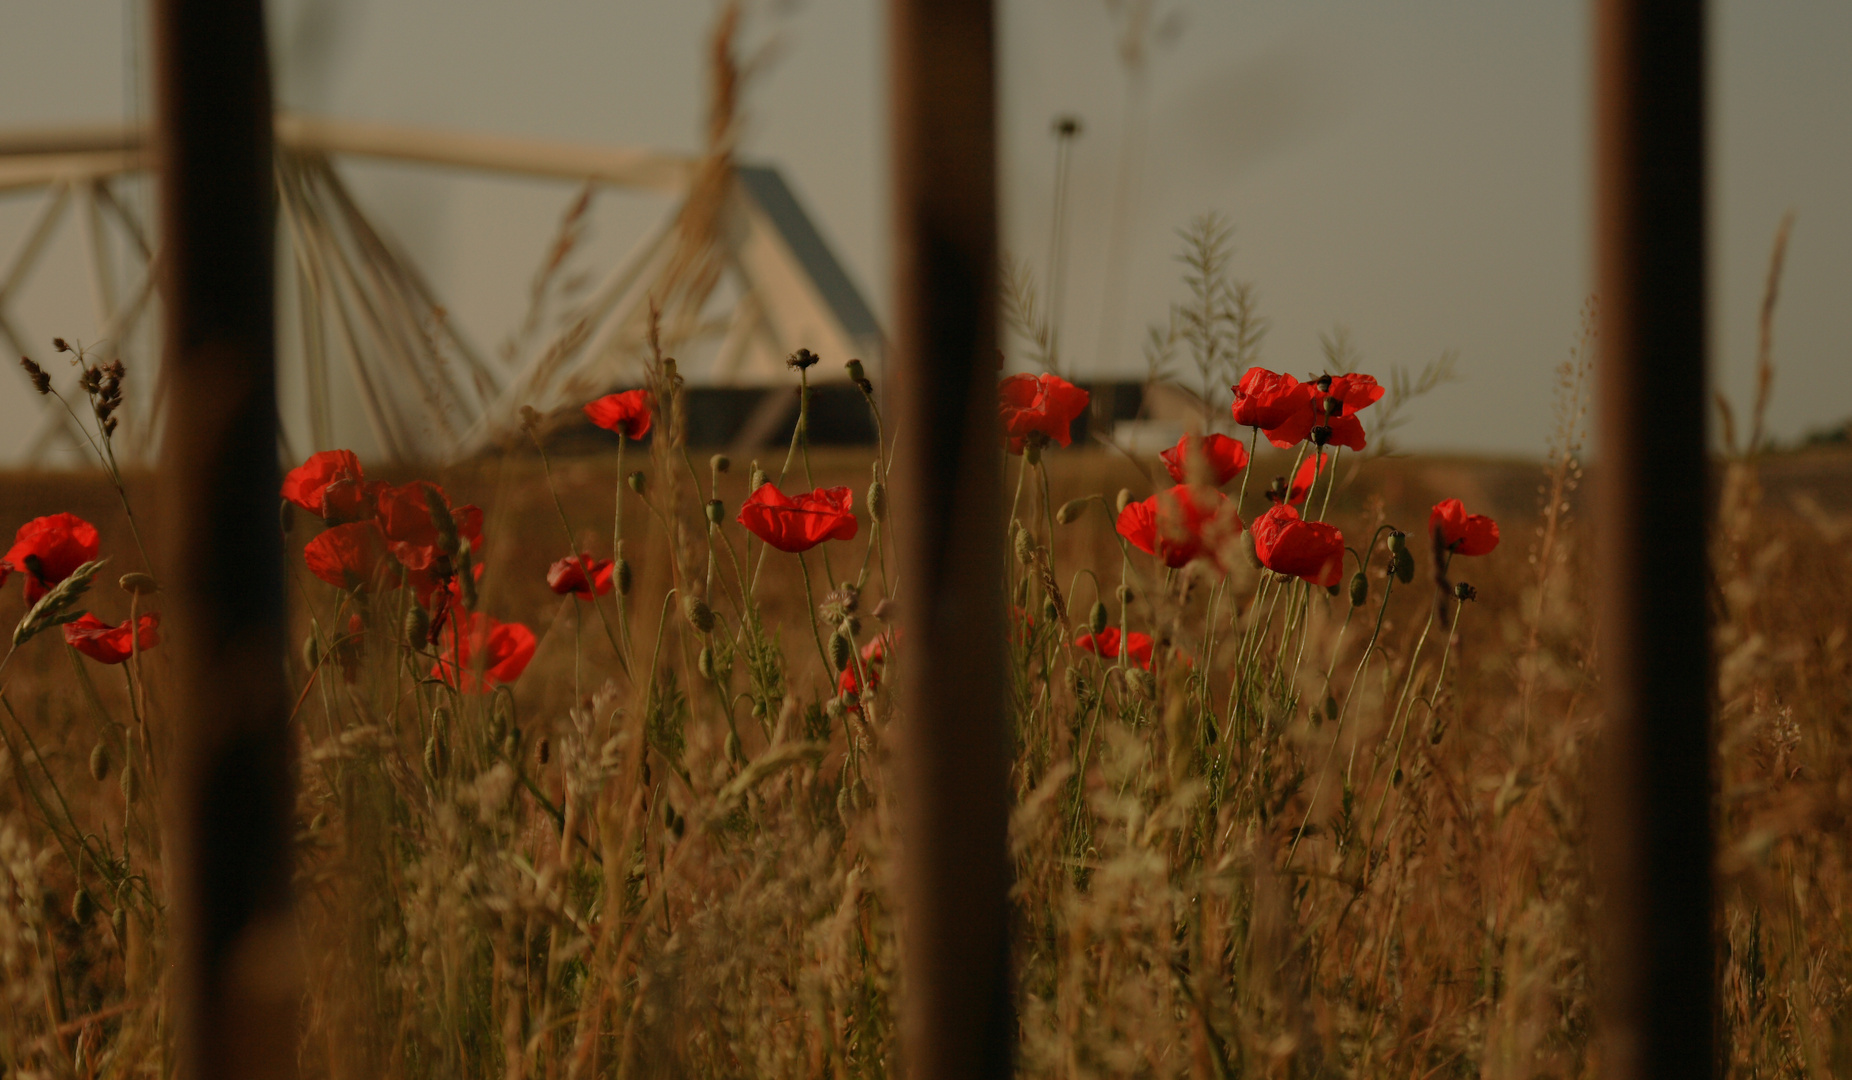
x=1232, y=866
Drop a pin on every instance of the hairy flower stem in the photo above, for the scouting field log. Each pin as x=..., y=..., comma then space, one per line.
x=572, y=552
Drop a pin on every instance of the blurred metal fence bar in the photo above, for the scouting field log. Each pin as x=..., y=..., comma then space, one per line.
x=1653, y=806
x=239, y=965
x=957, y=1016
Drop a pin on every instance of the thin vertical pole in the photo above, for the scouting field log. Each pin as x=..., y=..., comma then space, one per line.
x=238, y=963
x=957, y=1016
x=1653, y=818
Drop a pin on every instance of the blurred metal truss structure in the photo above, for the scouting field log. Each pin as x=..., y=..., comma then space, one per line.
x=736, y=273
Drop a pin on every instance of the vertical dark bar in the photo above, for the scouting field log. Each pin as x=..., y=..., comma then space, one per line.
x=957, y=1017
x=230, y=794
x=1655, y=840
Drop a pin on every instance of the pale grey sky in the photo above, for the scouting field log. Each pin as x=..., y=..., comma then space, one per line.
x=1416, y=171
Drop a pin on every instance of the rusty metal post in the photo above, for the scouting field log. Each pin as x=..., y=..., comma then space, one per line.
x=957, y=1017
x=1653, y=811
x=230, y=794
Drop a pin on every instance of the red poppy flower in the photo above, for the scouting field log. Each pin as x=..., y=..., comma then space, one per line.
x=627, y=413
x=1044, y=404
x=347, y=556
x=49, y=549
x=1225, y=457
x=1180, y=524
x=503, y=650
x=1459, y=532
x=1310, y=550
x=1351, y=392
x=1310, y=470
x=874, y=657
x=568, y=576
x=108, y=644
x=405, y=519
x=1266, y=399
x=799, y=523
x=332, y=486
x=1106, y=643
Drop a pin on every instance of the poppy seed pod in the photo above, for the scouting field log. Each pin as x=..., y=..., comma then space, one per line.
x=1025, y=546
x=716, y=511
x=1121, y=500
x=141, y=584
x=1070, y=511
x=856, y=374
x=1096, y=618
x=1321, y=435
x=1050, y=611
x=1398, y=542
x=699, y=615
x=840, y=648
x=1359, y=589
x=83, y=908
x=720, y=463
x=637, y=482
x=877, y=501
x=417, y=628
x=623, y=577
x=99, y=763
x=704, y=663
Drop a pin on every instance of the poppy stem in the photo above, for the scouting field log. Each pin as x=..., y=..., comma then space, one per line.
x=810, y=609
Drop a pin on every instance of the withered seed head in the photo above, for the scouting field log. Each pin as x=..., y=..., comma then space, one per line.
x=801, y=359
x=40, y=381
x=60, y=344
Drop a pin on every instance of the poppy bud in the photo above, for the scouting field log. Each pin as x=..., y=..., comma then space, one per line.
x=417, y=628
x=1141, y=682
x=757, y=479
x=99, y=763
x=734, y=752
x=1331, y=590
x=440, y=719
x=466, y=579
x=839, y=651
x=636, y=480
x=1321, y=435
x=623, y=576
x=836, y=709
x=140, y=584
x=1120, y=502
x=82, y=907
x=441, y=520
x=1070, y=511
x=1096, y=618
x=119, y=922
x=1359, y=589
x=1331, y=707
x=716, y=511
x=720, y=463
x=1049, y=611
x=311, y=652
x=1333, y=406
x=436, y=758
x=1025, y=546
x=498, y=726
x=543, y=753
x=699, y=615
x=877, y=501
x=1125, y=595
x=704, y=663
x=1405, y=567
x=1462, y=591
x=1022, y=593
